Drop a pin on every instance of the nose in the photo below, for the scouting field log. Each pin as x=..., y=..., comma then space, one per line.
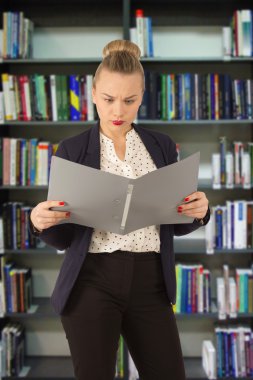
x=118, y=110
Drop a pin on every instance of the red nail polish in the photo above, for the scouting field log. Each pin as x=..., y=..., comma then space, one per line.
x=179, y=209
x=67, y=214
x=187, y=199
x=61, y=203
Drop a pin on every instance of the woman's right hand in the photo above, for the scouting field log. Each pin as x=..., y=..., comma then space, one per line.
x=42, y=217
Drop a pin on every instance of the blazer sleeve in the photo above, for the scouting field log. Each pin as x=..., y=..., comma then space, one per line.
x=184, y=229
x=59, y=236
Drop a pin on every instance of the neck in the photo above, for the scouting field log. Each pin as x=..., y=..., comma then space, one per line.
x=115, y=133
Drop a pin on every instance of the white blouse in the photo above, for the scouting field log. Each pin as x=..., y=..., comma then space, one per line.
x=137, y=162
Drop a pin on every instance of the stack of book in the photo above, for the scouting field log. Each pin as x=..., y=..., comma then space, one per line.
x=193, y=289
x=231, y=226
x=25, y=162
x=233, y=165
x=234, y=350
x=48, y=97
x=17, y=36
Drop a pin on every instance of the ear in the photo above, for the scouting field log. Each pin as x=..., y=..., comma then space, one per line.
x=94, y=95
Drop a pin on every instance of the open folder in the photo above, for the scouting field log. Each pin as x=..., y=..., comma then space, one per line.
x=118, y=204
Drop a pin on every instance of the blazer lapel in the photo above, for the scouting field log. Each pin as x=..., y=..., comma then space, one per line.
x=92, y=157
x=152, y=146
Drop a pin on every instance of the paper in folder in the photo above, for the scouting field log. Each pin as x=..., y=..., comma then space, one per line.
x=118, y=204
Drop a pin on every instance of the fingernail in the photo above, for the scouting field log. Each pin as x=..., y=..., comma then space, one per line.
x=187, y=199
x=61, y=203
x=179, y=209
x=67, y=214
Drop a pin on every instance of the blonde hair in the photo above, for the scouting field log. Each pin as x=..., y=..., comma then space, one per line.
x=121, y=56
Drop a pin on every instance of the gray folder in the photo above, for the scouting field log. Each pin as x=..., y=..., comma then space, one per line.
x=118, y=204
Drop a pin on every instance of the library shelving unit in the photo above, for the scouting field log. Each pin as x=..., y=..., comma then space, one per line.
x=98, y=16
x=180, y=19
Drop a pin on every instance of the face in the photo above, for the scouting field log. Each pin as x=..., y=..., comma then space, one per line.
x=117, y=97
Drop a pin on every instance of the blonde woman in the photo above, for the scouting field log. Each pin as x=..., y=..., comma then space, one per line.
x=111, y=284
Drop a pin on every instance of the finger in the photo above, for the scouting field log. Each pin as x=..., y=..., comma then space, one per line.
x=192, y=205
x=48, y=204
x=193, y=196
x=42, y=220
x=54, y=214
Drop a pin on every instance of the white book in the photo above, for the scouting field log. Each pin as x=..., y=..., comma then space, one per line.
x=226, y=41
x=53, y=97
x=229, y=224
x=246, y=20
x=226, y=284
x=224, y=227
x=232, y=298
x=7, y=98
x=221, y=303
x=229, y=170
x=241, y=351
x=1, y=107
x=42, y=163
x=240, y=224
x=140, y=25
x=90, y=105
x=249, y=97
x=209, y=359
x=209, y=235
x=216, y=175
x=13, y=161
x=246, y=170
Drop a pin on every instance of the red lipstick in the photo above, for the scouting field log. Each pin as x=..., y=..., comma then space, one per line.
x=117, y=122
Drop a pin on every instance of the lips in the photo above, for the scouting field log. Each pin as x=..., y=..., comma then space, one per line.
x=117, y=122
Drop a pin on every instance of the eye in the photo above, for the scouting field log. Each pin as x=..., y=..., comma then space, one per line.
x=129, y=101
x=109, y=100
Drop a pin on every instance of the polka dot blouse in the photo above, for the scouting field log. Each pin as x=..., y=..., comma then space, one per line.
x=137, y=162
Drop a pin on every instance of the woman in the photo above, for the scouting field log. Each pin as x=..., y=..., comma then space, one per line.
x=111, y=284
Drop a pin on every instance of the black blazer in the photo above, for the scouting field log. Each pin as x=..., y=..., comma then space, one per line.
x=85, y=149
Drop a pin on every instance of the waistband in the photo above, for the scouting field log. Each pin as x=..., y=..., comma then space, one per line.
x=150, y=255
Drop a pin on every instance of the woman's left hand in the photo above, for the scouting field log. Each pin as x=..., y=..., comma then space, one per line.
x=196, y=205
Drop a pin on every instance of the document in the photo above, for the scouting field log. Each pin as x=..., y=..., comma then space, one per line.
x=118, y=204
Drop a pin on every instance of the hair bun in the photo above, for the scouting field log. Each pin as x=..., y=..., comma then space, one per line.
x=122, y=45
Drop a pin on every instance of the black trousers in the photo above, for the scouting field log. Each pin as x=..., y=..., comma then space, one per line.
x=122, y=293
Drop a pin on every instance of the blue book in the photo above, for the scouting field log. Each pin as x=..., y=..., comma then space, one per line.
x=218, y=228
x=74, y=98
x=183, y=292
x=150, y=44
x=8, y=293
x=187, y=89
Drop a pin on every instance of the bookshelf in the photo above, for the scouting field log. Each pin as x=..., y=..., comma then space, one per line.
x=114, y=19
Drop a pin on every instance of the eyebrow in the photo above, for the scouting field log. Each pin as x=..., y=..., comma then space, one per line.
x=110, y=96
